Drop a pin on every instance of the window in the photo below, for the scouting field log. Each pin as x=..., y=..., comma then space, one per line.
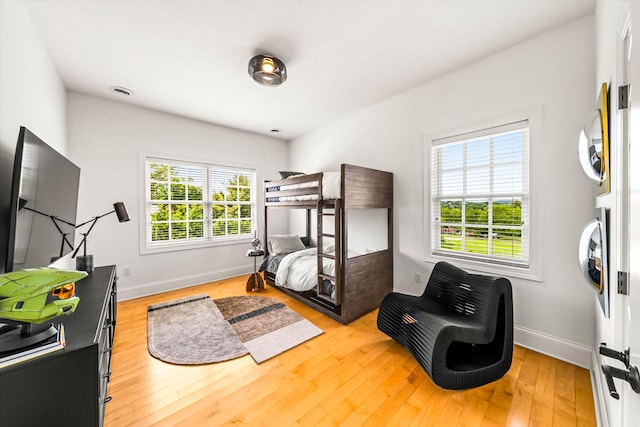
x=479, y=195
x=195, y=203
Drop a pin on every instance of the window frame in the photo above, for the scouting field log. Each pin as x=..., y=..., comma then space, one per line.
x=208, y=240
x=531, y=271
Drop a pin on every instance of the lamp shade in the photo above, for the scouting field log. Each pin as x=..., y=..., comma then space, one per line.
x=267, y=70
x=121, y=211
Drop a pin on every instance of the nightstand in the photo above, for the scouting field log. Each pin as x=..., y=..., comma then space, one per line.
x=255, y=282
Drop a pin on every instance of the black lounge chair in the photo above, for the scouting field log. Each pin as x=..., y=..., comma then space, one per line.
x=460, y=329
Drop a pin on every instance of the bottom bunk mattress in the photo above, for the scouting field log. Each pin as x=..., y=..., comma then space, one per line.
x=298, y=270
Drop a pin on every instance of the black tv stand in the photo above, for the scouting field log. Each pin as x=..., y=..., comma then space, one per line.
x=67, y=387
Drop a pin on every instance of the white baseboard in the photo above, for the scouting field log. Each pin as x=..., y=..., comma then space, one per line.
x=568, y=351
x=125, y=293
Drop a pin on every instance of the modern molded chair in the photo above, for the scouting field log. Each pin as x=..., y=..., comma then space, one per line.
x=460, y=329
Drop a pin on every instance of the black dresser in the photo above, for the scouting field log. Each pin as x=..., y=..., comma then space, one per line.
x=68, y=387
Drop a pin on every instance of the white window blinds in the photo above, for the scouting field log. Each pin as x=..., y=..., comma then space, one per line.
x=480, y=195
x=193, y=202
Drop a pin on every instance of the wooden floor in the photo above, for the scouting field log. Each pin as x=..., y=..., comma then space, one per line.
x=351, y=375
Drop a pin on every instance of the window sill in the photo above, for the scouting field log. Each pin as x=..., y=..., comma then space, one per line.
x=530, y=273
x=154, y=249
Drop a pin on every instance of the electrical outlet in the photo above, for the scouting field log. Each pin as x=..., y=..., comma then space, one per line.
x=126, y=271
x=418, y=278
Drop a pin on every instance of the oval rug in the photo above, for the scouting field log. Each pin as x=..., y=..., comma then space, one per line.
x=191, y=331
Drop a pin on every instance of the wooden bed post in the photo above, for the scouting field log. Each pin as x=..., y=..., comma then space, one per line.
x=265, y=241
x=308, y=230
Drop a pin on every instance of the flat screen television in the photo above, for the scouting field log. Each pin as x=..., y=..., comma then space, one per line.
x=44, y=202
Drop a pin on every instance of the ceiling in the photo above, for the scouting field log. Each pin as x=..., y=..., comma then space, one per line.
x=190, y=57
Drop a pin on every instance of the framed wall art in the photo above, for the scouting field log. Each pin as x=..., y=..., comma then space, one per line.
x=594, y=256
x=593, y=144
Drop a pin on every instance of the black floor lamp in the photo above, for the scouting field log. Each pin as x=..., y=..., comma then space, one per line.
x=85, y=262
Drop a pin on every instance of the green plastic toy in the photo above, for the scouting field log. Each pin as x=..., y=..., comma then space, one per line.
x=37, y=295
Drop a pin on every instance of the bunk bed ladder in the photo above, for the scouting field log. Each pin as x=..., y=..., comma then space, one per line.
x=324, y=292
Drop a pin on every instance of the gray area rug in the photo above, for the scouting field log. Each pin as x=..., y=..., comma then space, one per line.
x=197, y=330
x=266, y=326
x=191, y=331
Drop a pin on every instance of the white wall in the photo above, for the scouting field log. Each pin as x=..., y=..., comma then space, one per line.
x=105, y=139
x=31, y=95
x=554, y=71
x=31, y=92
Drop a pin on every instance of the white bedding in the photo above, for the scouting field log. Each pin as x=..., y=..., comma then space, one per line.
x=299, y=270
x=330, y=188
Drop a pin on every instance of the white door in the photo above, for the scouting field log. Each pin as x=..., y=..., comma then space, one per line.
x=629, y=121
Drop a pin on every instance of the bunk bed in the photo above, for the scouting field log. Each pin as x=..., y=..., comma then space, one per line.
x=345, y=285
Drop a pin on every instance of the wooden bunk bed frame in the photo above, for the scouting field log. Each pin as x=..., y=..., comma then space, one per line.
x=361, y=282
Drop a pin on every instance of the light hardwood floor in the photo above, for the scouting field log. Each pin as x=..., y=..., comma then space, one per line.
x=351, y=375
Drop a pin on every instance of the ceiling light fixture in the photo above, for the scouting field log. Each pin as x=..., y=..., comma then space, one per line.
x=267, y=70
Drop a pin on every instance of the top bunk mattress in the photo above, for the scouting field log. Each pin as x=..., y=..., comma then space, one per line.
x=330, y=189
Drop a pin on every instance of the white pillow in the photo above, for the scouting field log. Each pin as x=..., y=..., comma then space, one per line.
x=285, y=243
